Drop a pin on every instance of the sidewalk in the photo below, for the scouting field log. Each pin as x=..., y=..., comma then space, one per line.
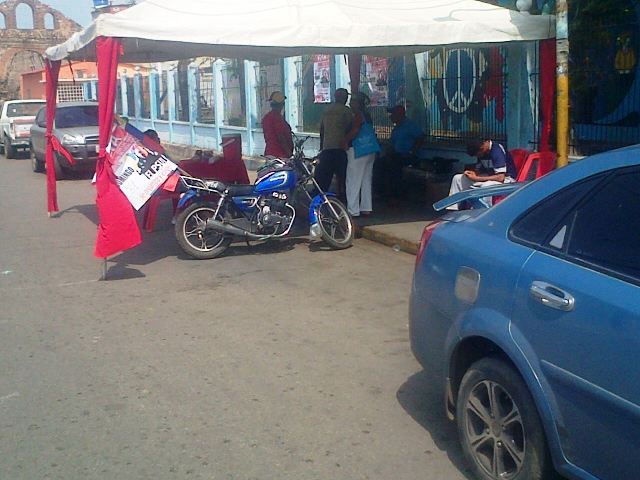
x=399, y=226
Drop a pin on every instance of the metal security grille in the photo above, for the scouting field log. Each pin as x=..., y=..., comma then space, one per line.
x=269, y=78
x=396, y=94
x=162, y=99
x=604, y=74
x=204, y=82
x=70, y=92
x=465, y=94
x=181, y=92
x=145, y=98
x=233, y=93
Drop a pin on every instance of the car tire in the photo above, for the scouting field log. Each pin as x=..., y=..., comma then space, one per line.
x=9, y=150
x=57, y=168
x=36, y=164
x=500, y=430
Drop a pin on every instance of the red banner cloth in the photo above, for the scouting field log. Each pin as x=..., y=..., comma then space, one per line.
x=52, y=69
x=547, y=90
x=57, y=146
x=118, y=229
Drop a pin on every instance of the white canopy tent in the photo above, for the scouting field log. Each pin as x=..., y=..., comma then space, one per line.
x=159, y=30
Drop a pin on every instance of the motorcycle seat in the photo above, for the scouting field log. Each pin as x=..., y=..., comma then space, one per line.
x=240, y=190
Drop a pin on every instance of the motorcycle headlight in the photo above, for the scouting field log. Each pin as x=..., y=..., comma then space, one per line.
x=69, y=139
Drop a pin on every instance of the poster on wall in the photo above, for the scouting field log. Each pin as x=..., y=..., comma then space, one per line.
x=377, y=83
x=321, y=78
x=139, y=171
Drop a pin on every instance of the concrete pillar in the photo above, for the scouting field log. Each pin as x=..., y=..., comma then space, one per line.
x=153, y=97
x=194, y=99
x=171, y=99
x=251, y=102
x=290, y=82
x=137, y=95
x=218, y=100
x=124, y=86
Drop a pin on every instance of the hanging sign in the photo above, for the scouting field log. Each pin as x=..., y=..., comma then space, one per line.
x=377, y=83
x=139, y=170
x=321, y=78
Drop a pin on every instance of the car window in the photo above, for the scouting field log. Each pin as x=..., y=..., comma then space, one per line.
x=535, y=226
x=41, y=118
x=77, y=116
x=605, y=228
x=23, y=109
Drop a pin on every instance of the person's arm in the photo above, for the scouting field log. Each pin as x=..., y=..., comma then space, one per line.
x=474, y=177
x=355, y=128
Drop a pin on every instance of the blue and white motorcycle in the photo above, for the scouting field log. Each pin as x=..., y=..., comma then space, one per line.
x=213, y=214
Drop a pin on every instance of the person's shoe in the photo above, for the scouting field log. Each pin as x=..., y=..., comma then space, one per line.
x=365, y=214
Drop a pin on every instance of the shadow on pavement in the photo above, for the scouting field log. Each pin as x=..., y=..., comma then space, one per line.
x=422, y=398
x=88, y=210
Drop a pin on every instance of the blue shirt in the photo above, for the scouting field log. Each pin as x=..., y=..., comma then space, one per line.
x=497, y=161
x=404, y=136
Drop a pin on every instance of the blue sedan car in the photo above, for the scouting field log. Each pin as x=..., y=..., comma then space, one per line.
x=528, y=313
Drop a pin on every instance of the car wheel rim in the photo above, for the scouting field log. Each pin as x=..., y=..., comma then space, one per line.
x=495, y=430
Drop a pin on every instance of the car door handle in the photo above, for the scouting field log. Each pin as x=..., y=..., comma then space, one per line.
x=552, y=297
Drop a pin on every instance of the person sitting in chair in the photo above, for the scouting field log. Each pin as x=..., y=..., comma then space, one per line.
x=494, y=166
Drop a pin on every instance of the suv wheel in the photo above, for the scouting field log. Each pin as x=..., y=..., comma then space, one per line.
x=36, y=165
x=499, y=427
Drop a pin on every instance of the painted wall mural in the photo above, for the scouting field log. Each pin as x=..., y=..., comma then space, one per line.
x=605, y=73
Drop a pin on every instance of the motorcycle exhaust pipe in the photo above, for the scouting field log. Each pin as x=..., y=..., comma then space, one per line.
x=233, y=230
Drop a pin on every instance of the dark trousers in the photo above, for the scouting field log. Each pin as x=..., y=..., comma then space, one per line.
x=332, y=162
x=388, y=174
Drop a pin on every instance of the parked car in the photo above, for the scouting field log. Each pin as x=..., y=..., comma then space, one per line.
x=76, y=128
x=528, y=313
x=16, y=117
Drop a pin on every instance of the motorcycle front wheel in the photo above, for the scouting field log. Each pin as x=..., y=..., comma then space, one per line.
x=335, y=224
x=193, y=236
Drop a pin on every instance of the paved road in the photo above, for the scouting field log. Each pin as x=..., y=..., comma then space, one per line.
x=274, y=362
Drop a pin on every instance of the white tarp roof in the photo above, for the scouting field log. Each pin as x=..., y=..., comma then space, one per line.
x=159, y=30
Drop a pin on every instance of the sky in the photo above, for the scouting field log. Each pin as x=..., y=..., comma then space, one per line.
x=78, y=10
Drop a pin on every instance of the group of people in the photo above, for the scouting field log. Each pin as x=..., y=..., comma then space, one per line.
x=348, y=147
x=345, y=132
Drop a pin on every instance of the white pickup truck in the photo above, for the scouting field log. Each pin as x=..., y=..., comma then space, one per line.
x=16, y=118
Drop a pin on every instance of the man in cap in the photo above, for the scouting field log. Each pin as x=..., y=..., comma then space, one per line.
x=277, y=132
x=406, y=139
x=336, y=122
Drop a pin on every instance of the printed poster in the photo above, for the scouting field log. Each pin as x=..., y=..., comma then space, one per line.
x=139, y=171
x=377, y=83
x=321, y=78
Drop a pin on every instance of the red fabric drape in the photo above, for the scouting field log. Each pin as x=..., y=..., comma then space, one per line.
x=354, y=71
x=547, y=89
x=57, y=146
x=52, y=69
x=118, y=229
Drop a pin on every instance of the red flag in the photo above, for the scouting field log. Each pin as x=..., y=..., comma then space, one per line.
x=52, y=70
x=118, y=229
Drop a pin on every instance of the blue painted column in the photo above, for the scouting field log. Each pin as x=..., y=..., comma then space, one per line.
x=519, y=117
x=194, y=99
x=171, y=99
x=153, y=97
x=137, y=95
x=218, y=100
x=250, y=94
x=125, y=95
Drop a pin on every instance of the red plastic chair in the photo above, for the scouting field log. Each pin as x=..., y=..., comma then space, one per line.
x=519, y=156
x=544, y=162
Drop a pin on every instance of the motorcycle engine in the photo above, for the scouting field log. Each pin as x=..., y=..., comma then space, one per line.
x=274, y=216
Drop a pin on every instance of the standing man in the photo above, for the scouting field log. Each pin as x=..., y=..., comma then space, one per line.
x=336, y=122
x=406, y=139
x=277, y=132
x=493, y=167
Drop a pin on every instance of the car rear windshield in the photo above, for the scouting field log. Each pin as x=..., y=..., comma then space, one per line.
x=23, y=109
x=77, y=116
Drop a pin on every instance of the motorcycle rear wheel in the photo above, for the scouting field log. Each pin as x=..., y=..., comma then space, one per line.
x=194, y=238
x=336, y=231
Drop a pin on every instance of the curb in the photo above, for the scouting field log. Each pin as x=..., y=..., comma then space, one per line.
x=371, y=233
